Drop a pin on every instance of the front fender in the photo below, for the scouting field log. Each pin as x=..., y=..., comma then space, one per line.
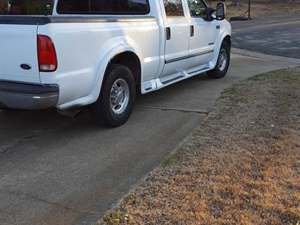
x=225, y=31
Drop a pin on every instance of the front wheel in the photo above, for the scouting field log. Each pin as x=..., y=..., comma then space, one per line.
x=223, y=62
x=115, y=103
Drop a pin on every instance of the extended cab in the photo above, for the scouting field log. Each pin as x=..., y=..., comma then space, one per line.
x=73, y=53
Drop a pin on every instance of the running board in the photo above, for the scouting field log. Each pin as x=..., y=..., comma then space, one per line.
x=172, y=79
x=198, y=71
x=162, y=82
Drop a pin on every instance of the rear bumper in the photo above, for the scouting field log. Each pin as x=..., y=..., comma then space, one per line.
x=15, y=95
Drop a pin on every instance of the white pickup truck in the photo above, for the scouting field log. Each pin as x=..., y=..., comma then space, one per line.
x=73, y=53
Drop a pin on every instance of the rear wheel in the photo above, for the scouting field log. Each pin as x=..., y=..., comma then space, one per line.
x=223, y=62
x=115, y=103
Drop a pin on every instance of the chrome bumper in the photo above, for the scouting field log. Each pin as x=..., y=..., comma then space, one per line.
x=15, y=95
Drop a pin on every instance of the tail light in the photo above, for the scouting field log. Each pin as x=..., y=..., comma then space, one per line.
x=46, y=54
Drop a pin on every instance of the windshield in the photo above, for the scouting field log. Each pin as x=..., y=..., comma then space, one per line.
x=26, y=7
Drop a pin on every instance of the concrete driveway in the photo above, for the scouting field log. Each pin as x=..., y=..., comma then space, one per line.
x=277, y=35
x=61, y=171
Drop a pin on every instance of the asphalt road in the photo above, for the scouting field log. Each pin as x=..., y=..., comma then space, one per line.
x=62, y=171
x=275, y=35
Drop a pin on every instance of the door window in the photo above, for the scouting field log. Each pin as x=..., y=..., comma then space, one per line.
x=197, y=8
x=28, y=7
x=173, y=7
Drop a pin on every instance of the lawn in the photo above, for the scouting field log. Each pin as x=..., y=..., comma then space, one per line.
x=240, y=166
x=261, y=8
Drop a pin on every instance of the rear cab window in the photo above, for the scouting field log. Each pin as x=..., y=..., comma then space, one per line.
x=96, y=7
x=26, y=7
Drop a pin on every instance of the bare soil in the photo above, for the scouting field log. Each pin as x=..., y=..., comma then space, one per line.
x=241, y=166
x=261, y=9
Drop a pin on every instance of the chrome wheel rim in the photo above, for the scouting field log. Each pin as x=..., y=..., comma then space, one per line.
x=119, y=96
x=222, y=62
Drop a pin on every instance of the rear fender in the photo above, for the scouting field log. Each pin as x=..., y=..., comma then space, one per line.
x=118, y=45
x=110, y=49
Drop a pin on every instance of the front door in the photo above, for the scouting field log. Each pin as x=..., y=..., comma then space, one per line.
x=177, y=38
x=203, y=41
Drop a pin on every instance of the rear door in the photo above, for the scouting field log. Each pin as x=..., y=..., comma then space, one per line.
x=18, y=53
x=177, y=37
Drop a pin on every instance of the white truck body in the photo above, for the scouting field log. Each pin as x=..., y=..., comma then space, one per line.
x=86, y=44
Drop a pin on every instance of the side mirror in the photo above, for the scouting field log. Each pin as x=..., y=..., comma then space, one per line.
x=220, y=11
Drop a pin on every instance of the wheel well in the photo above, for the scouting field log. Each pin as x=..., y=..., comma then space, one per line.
x=227, y=39
x=132, y=61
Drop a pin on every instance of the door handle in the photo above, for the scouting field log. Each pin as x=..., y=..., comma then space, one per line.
x=192, y=30
x=168, y=33
x=218, y=27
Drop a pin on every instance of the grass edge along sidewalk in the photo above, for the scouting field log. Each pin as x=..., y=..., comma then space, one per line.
x=240, y=166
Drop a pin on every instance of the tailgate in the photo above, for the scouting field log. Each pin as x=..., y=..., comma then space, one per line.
x=18, y=53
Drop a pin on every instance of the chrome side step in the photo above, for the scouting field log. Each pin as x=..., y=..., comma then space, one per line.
x=172, y=79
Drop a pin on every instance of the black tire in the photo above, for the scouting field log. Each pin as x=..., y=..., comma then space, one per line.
x=221, y=69
x=105, y=112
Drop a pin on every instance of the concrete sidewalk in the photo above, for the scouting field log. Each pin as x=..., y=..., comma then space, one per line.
x=56, y=170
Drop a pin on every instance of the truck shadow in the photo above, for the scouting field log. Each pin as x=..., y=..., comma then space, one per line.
x=15, y=124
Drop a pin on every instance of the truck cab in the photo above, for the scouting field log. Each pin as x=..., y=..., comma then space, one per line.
x=101, y=53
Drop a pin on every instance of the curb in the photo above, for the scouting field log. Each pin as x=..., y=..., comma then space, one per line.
x=259, y=55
